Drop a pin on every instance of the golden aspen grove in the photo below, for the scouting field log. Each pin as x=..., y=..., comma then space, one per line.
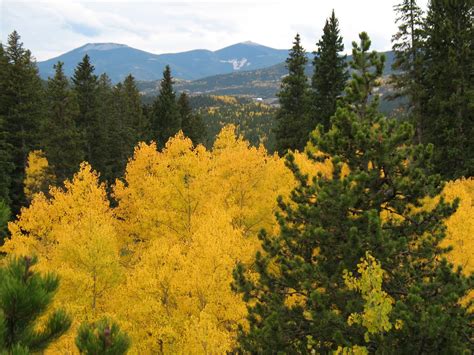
x=160, y=262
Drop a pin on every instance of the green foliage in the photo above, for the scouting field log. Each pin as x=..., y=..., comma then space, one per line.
x=447, y=86
x=126, y=126
x=61, y=140
x=5, y=216
x=191, y=123
x=21, y=109
x=254, y=121
x=85, y=88
x=407, y=66
x=292, y=117
x=329, y=75
x=25, y=296
x=102, y=338
x=299, y=299
x=166, y=120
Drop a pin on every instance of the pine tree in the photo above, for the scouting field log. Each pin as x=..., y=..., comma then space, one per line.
x=330, y=74
x=407, y=66
x=85, y=87
x=133, y=111
x=102, y=338
x=128, y=125
x=191, y=123
x=448, y=86
x=166, y=120
x=25, y=296
x=292, y=130
x=5, y=216
x=22, y=109
x=61, y=138
x=300, y=299
x=6, y=164
x=102, y=158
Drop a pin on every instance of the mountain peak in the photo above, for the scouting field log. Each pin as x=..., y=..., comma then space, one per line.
x=102, y=46
x=250, y=43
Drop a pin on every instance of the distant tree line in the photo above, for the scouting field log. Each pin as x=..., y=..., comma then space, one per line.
x=82, y=118
x=433, y=72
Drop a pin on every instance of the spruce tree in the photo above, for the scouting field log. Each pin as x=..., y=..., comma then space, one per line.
x=191, y=123
x=330, y=74
x=25, y=296
x=22, y=111
x=5, y=216
x=133, y=111
x=300, y=301
x=292, y=130
x=85, y=88
x=407, y=65
x=127, y=125
x=6, y=163
x=448, y=86
x=102, y=158
x=166, y=120
x=102, y=338
x=61, y=139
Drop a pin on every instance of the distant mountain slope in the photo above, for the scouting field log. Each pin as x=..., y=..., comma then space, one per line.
x=119, y=60
x=263, y=83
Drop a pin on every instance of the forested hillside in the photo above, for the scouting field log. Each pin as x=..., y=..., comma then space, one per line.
x=211, y=224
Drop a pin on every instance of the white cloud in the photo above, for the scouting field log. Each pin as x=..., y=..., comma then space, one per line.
x=52, y=27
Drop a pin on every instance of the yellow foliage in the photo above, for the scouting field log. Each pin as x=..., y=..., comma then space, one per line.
x=229, y=100
x=187, y=216
x=73, y=234
x=378, y=304
x=460, y=226
x=161, y=261
x=38, y=176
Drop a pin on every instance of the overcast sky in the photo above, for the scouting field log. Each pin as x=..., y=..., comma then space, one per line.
x=52, y=27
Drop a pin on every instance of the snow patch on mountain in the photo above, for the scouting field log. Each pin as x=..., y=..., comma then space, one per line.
x=237, y=63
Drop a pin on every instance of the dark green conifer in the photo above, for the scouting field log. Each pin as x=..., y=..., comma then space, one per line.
x=127, y=125
x=448, y=86
x=6, y=163
x=61, y=139
x=191, y=123
x=85, y=86
x=21, y=107
x=25, y=296
x=292, y=130
x=166, y=120
x=331, y=222
x=329, y=76
x=407, y=65
x=102, y=338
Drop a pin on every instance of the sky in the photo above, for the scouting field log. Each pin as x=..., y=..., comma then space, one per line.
x=52, y=27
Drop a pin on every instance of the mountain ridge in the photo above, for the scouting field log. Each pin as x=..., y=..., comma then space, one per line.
x=119, y=60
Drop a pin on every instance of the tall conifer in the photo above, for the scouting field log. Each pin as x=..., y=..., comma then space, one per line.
x=407, y=66
x=300, y=301
x=330, y=74
x=61, y=138
x=166, y=120
x=85, y=88
x=448, y=86
x=22, y=109
x=292, y=131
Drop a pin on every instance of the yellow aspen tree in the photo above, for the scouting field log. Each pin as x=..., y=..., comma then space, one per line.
x=188, y=215
x=73, y=233
x=38, y=174
x=250, y=180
